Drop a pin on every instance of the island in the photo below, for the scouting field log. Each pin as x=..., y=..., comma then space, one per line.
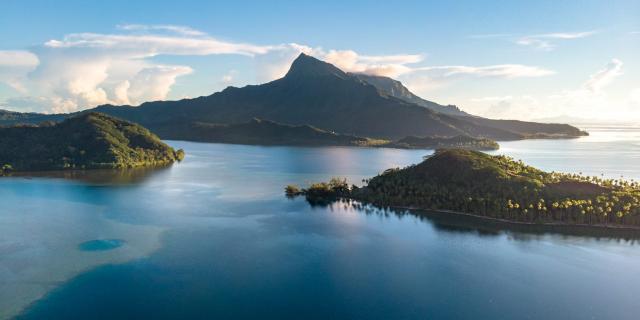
x=87, y=141
x=271, y=133
x=470, y=182
x=459, y=141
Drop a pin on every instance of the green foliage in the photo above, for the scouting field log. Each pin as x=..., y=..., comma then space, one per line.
x=322, y=191
x=460, y=141
x=292, y=191
x=502, y=188
x=91, y=140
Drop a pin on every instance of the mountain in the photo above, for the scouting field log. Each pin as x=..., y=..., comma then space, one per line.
x=396, y=89
x=526, y=129
x=314, y=93
x=321, y=95
x=496, y=187
x=91, y=140
x=265, y=132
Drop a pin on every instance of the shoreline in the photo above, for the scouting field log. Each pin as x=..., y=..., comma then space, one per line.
x=519, y=223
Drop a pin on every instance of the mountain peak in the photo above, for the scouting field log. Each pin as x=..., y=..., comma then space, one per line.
x=307, y=66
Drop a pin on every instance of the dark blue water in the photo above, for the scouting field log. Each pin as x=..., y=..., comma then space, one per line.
x=214, y=237
x=100, y=244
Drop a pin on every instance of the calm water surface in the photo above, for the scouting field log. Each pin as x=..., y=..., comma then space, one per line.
x=214, y=237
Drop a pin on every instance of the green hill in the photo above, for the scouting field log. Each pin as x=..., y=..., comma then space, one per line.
x=91, y=140
x=461, y=141
x=496, y=187
x=265, y=132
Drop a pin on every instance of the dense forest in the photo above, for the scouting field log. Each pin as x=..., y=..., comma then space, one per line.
x=265, y=132
x=91, y=140
x=460, y=141
x=492, y=186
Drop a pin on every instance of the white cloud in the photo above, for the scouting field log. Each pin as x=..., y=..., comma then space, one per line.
x=83, y=70
x=500, y=71
x=14, y=66
x=489, y=35
x=565, y=35
x=154, y=83
x=545, y=41
x=148, y=45
x=166, y=27
x=589, y=100
x=602, y=78
x=277, y=63
x=228, y=78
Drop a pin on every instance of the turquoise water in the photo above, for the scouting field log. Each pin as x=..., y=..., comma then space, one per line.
x=214, y=237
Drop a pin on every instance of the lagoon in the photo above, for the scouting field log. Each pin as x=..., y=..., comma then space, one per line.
x=214, y=237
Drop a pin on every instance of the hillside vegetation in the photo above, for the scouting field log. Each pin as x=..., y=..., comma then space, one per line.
x=88, y=141
x=461, y=141
x=495, y=187
x=265, y=132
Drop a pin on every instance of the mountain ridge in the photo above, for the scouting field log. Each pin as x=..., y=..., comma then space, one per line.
x=316, y=93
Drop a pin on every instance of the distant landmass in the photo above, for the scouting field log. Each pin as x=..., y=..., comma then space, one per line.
x=318, y=94
x=265, y=132
x=461, y=142
x=496, y=187
x=88, y=141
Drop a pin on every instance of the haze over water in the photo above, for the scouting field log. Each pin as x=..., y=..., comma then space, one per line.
x=214, y=236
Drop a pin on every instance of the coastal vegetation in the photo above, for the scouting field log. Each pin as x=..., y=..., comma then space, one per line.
x=88, y=141
x=460, y=141
x=265, y=132
x=496, y=187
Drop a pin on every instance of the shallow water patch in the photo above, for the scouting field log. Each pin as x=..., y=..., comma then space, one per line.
x=101, y=244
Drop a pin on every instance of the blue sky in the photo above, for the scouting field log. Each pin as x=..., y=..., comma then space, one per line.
x=515, y=59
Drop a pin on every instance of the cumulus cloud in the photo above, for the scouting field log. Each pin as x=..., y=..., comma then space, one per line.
x=277, y=63
x=83, y=70
x=14, y=65
x=546, y=41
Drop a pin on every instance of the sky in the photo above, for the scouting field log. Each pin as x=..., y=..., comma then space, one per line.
x=529, y=60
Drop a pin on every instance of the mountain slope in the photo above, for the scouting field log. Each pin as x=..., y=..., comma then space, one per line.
x=313, y=93
x=265, y=132
x=527, y=129
x=396, y=89
x=91, y=140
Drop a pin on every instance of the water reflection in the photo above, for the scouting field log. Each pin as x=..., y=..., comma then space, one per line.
x=98, y=176
x=460, y=223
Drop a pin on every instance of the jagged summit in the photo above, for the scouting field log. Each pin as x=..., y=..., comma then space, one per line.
x=308, y=66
